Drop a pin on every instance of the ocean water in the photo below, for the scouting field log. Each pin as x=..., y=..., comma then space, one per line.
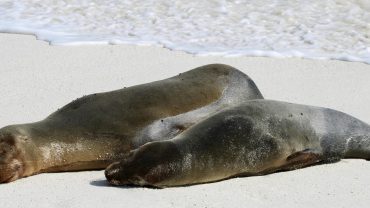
x=320, y=29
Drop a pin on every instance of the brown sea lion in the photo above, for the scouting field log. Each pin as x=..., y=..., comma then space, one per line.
x=95, y=130
x=254, y=138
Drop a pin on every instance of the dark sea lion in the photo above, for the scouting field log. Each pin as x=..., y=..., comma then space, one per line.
x=95, y=130
x=255, y=138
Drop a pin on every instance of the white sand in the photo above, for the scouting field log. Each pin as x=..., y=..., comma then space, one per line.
x=36, y=79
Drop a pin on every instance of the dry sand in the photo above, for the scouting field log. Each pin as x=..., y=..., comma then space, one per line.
x=36, y=79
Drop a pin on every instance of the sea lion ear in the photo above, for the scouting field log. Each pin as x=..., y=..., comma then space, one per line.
x=302, y=159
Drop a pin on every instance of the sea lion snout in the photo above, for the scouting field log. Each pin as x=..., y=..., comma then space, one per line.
x=11, y=171
x=113, y=172
x=117, y=176
x=146, y=166
x=11, y=163
x=121, y=173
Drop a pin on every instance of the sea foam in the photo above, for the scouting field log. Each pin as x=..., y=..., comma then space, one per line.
x=330, y=29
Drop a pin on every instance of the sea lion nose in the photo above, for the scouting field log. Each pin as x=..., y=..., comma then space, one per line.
x=112, y=173
x=8, y=166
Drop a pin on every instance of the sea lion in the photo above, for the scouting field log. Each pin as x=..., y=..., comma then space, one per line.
x=254, y=138
x=95, y=130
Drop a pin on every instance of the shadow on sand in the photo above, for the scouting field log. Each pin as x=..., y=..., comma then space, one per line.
x=104, y=183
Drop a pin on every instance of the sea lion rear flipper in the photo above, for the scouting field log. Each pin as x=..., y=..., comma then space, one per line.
x=302, y=159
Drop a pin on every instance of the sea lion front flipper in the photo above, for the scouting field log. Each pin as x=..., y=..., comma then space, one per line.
x=302, y=159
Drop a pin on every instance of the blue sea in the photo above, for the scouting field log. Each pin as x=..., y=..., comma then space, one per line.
x=319, y=29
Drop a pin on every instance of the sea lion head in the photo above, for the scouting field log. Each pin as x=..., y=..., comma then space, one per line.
x=11, y=159
x=145, y=166
x=18, y=153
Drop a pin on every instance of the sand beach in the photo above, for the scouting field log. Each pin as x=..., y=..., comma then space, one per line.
x=36, y=79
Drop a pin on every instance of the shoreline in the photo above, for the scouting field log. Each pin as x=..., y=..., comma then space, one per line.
x=36, y=79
